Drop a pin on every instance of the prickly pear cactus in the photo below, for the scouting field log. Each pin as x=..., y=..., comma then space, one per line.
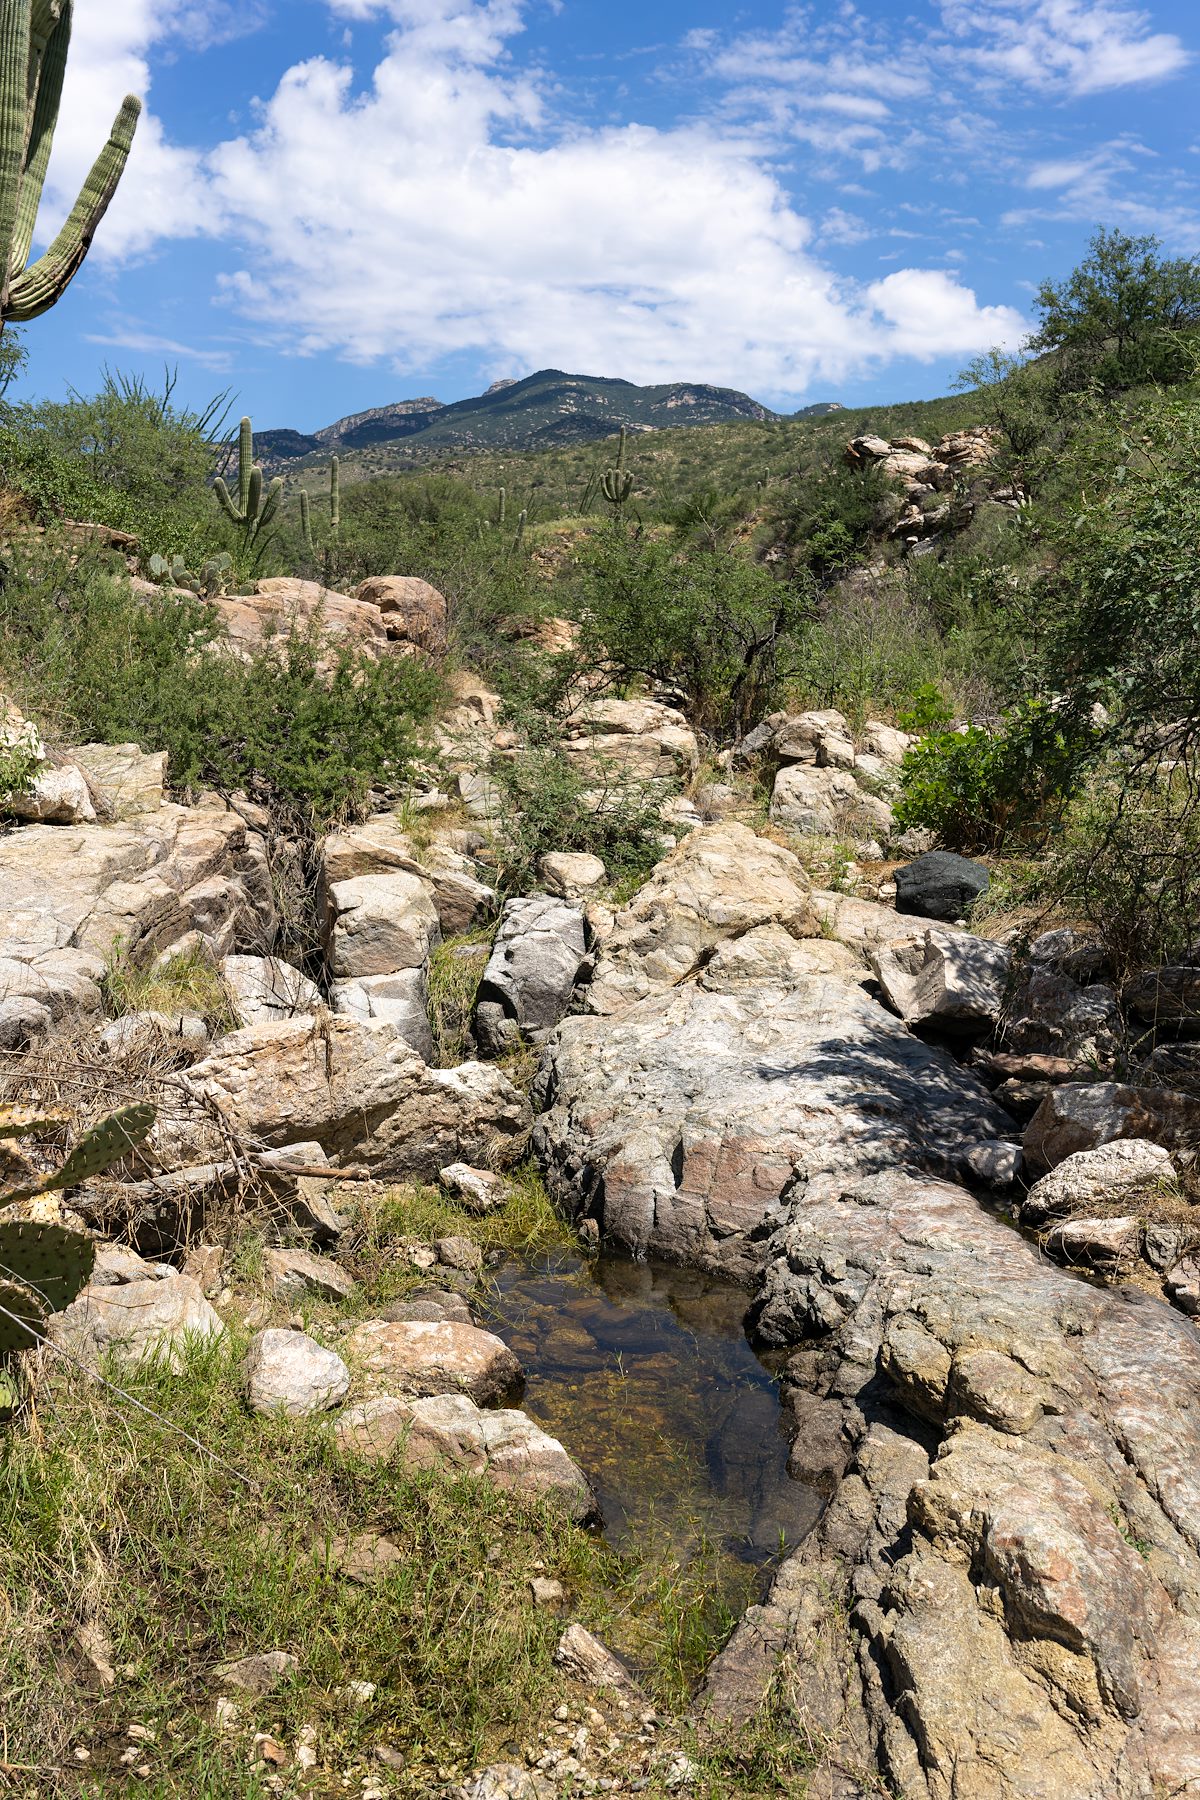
x=23, y=1121
x=23, y=1316
x=51, y=1263
x=96, y=1151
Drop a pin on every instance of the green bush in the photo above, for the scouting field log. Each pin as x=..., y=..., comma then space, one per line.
x=125, y=457
x=549, y=806
x=716, y=627
x=978, y=790
x=1126, y=861
x=296, y=724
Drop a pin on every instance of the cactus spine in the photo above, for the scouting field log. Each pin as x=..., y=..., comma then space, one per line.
x=617, y=484
x=253, y=509
x=34, y=39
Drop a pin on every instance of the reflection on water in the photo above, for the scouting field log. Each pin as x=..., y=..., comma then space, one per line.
x=644, y=1372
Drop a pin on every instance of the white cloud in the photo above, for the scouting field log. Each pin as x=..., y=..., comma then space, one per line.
x=930, y=314
x=1082, y=46
x=443, y=209
x=148, y=343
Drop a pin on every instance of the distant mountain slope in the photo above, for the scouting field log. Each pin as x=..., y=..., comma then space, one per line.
x=550, y=407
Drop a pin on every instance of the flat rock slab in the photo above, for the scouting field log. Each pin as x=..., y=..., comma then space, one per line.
x=681, y=1123
x=365, y=1558
x=258, y=1675
x=297, y=1272
x=414, y=1359
x=449, y=1432
x=286, y=1372
x=356, y=1089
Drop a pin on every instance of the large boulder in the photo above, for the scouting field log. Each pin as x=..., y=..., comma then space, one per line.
x=641, y=740
x=1122, y=1173
x=400, y=1000
x=681, y=1124
x=1081, y=1115
x=412, y=610
x=448, y=1431
x=287, y=1372
x=945, y=979
x=828, y=802
x=154, y=1318
x=377, y=924
x=1006, y=1583
x=381, y=846
x=414, y=1358
x=354, y=1088
x=283, y=603
x=719, y=883
x=126, y=780
x=940, y=885
x=532, y=971
x=265, y=987
x=181, y=876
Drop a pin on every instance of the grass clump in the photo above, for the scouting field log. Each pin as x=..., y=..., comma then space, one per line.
x=186, y=983
x=455, y=971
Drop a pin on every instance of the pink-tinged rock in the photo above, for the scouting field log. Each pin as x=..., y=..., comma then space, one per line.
x=1081, y=1115
x=414, y=1359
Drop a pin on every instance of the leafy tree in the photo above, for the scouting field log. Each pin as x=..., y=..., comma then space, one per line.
x=717, y=627
x=1120, y=313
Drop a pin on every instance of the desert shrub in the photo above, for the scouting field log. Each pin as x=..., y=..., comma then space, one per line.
x=977, y=789
x=549, y=806
x=1127, y=862
x=829, y=514
x=126, y=457
x=296, y=725
x=871, y=648
x=715, y=626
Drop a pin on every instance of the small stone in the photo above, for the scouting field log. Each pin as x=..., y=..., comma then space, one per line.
x=287, y=1372
x=293, y=1272
x=269, y=1750
x=81, y=1755
x=256, y=1675
x=547, y=1592
x=460, y=1253
x=478, y=1190
x=590, y=1661
x=227, y=1715
x=142, y=1734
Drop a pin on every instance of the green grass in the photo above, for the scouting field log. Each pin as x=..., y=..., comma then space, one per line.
x=108, y=1514
x=187, y=983
x=455, y=971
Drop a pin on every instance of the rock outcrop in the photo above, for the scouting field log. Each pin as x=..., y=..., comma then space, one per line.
x=1003, y=1599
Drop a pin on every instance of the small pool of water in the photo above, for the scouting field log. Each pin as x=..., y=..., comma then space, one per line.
x=644, y=1372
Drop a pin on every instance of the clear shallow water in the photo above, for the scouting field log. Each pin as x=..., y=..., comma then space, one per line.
x=644, y=1372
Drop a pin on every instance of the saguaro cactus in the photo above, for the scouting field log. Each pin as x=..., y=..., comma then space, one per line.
x=335, y=510
x=617, y=484
x=253, y=509
x=34, y=37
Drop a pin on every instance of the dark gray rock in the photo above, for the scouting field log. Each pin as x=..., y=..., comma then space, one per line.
x=532, y=971
x=940, y=885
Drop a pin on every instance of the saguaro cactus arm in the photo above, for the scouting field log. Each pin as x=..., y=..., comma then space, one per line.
x=34, y=38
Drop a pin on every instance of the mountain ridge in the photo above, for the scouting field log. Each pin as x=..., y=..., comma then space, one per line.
x=550, y=406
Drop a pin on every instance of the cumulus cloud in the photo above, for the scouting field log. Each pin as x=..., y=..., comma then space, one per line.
x=443, y=209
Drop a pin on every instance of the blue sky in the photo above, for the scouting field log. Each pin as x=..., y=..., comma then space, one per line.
x=337, y=203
